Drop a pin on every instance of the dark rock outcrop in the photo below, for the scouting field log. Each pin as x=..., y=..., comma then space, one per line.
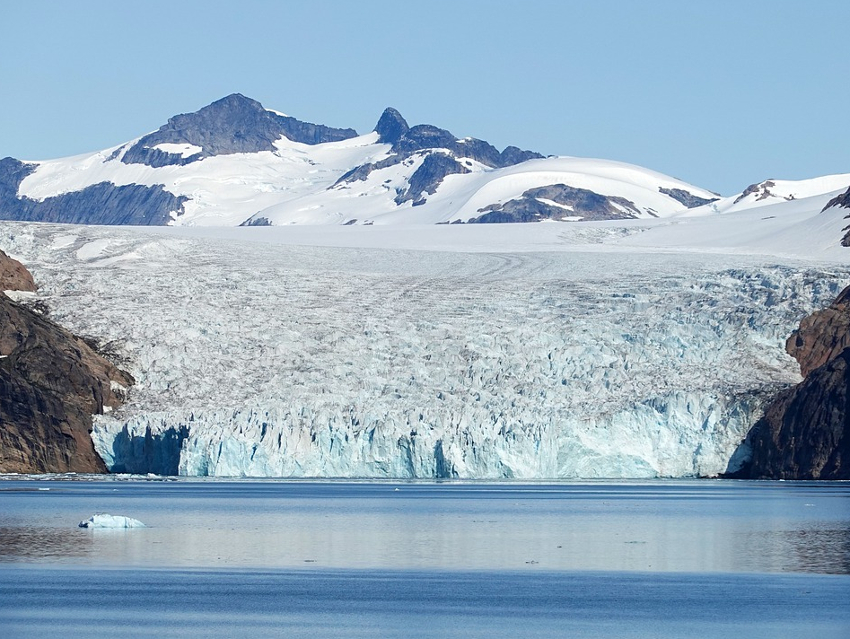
x=102, y=203
x=391, y=126
x=424, y=136
x=12, y=173
x=51, y=383
x=843, y=201
x=428, y=177
x=805, y=431
x=761, y=191
x=234, y=124
x=515, y=155
x=687, y=198
x=839, y=200
x=537, y=204
x=260, y=220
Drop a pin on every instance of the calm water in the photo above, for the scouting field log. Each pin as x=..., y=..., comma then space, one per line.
x=345, y=559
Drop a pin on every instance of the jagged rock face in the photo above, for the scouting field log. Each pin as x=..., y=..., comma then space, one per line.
x=102, y=203
x=51, y=383
x=557, y=202
x=14, y=276
x=822, y=336
x=234, y=124
x=805, y=433
x=839, y=200
x=12, y=173
x=391, y=126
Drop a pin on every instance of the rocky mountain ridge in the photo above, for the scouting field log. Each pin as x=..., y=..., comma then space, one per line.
x=234, y=124
x=235, y=162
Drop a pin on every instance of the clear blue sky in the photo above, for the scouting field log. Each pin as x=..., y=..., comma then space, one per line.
x=721, y=93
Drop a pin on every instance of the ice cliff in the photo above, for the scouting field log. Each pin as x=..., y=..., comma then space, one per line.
x=256, y=359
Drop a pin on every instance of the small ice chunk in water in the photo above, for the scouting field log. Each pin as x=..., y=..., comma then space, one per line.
x=104, y=520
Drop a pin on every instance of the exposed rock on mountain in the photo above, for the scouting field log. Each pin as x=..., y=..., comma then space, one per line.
x=234, y=124
x=839, y=200
x=14, y=276
x=429, y=176
x=842, y=200
x=822, y=336
x=441, y=150
x=51, y=383
x=425, y=136
x=688, y=199
x=391, y=126
x=805, y=432
x=101, y=203
x=761, y=191
x=558, y=202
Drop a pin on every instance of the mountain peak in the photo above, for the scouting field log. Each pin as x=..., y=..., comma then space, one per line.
x=234, y=99
x=233, y=124
x=391, y=126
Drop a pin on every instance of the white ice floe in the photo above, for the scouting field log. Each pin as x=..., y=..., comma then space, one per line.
x=104, y=520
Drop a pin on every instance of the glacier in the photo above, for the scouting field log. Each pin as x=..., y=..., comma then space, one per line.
x=580, y=355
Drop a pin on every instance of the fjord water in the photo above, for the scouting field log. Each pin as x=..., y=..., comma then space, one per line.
x=354, y=559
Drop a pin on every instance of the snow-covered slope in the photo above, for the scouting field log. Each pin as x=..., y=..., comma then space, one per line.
x=545, y=350
x=462, y=197
x=236, y=162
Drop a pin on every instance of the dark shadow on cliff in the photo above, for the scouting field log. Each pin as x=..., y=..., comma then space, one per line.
x=158, y=454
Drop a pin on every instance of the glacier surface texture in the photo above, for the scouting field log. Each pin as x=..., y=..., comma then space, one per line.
x=258, y=358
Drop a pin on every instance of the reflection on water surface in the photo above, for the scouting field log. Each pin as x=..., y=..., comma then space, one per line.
x=691, y=526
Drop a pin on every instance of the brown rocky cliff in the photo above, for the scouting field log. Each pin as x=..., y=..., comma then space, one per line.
x=805, y=432
x=51, y=383
x=14, y=276
x=822, y=335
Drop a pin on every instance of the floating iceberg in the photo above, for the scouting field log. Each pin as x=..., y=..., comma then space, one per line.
x=104, y=520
